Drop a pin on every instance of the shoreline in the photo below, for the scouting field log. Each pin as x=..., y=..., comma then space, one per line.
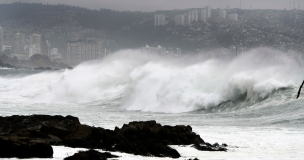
x=33, y=136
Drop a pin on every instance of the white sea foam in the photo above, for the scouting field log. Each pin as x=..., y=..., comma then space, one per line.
x=151, y=83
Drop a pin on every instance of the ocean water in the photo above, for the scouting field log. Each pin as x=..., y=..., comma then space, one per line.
x=248, y=102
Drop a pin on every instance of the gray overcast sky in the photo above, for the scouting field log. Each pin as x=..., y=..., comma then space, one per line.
x=152, y=5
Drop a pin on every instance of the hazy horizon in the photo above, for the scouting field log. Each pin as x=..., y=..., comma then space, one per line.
x=150, y=6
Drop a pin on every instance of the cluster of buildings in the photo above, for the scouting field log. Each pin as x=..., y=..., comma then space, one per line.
x=161, y=51
x=23, y=49
x=195, y=15
x=79, y=51
x=243, y=29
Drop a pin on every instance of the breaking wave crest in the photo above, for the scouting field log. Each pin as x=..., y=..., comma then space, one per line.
x=150, y=83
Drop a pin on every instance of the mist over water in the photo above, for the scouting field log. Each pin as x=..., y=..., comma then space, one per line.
x=136, y=81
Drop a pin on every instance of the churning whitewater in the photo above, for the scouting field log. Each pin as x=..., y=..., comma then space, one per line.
x=144, y=82
x=248, y=102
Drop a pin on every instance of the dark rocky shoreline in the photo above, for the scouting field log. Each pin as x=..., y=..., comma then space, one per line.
x=4, y=65
x=32, y=136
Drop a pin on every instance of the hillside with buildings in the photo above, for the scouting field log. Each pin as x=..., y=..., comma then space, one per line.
x=73, y=34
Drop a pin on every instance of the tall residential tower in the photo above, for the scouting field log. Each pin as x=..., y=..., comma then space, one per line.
x=35, y=44
x=204, y=16
x=222, y=13
x=180, y=20
x=18, y=43
x=193, y=16
x=159, y=19
x=1, y=39
x=208, y=11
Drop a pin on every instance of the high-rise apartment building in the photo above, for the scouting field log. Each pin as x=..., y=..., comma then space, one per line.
x=18, y=43
x=45, y=47
x=233, y=16
x=159, y=19
x=222, y=13
x=35, y=39
x=161, y=51
x=1, y=39
x=192, y=16
x=76, y=52
x=204, y=16
x=208, y=11
x=179, y=20
x=35, y=44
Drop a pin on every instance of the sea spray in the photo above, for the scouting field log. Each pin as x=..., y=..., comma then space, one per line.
x=157, y=84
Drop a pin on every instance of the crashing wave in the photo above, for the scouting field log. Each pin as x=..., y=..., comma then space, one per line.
x=151, y=83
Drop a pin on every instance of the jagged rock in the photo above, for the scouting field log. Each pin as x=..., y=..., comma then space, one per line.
x=39, y=60
x=209, y=147
x=177, y=135
x=139, y=138
x=91, y=155
x=79, y=132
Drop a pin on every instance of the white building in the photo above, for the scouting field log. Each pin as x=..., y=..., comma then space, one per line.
x=1, y=40
x=34, y=49
x=222, y=13
x=159, y=19
x=18, y=43
x=35, y=39
x=35, y=44
x=154, y=50
x=54, y=54
x=192, y=16
x=161, y=51
x=208, y=11
x=204, y=15
x=76, y=52
x=5, y=47
x=233, y=16
x=178, y=52
x=179, y=20
x=54, y=51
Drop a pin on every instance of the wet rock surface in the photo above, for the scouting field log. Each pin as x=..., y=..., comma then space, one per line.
x=91, y=155
x=22, y=147
x=140, y=138
x=209, y=147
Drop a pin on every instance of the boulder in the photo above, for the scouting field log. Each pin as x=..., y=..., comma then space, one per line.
x=91, y=155
x=39, y=60
x=177, y=135
x=209, y=147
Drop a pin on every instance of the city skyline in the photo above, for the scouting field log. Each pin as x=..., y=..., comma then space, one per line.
x=150, y=6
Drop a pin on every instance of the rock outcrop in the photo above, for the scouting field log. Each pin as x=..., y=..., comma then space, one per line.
x=9, y=59
x=43, y=61
x=24, y=147
x=91, y=155
x=139, y=138
x=4, y=65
